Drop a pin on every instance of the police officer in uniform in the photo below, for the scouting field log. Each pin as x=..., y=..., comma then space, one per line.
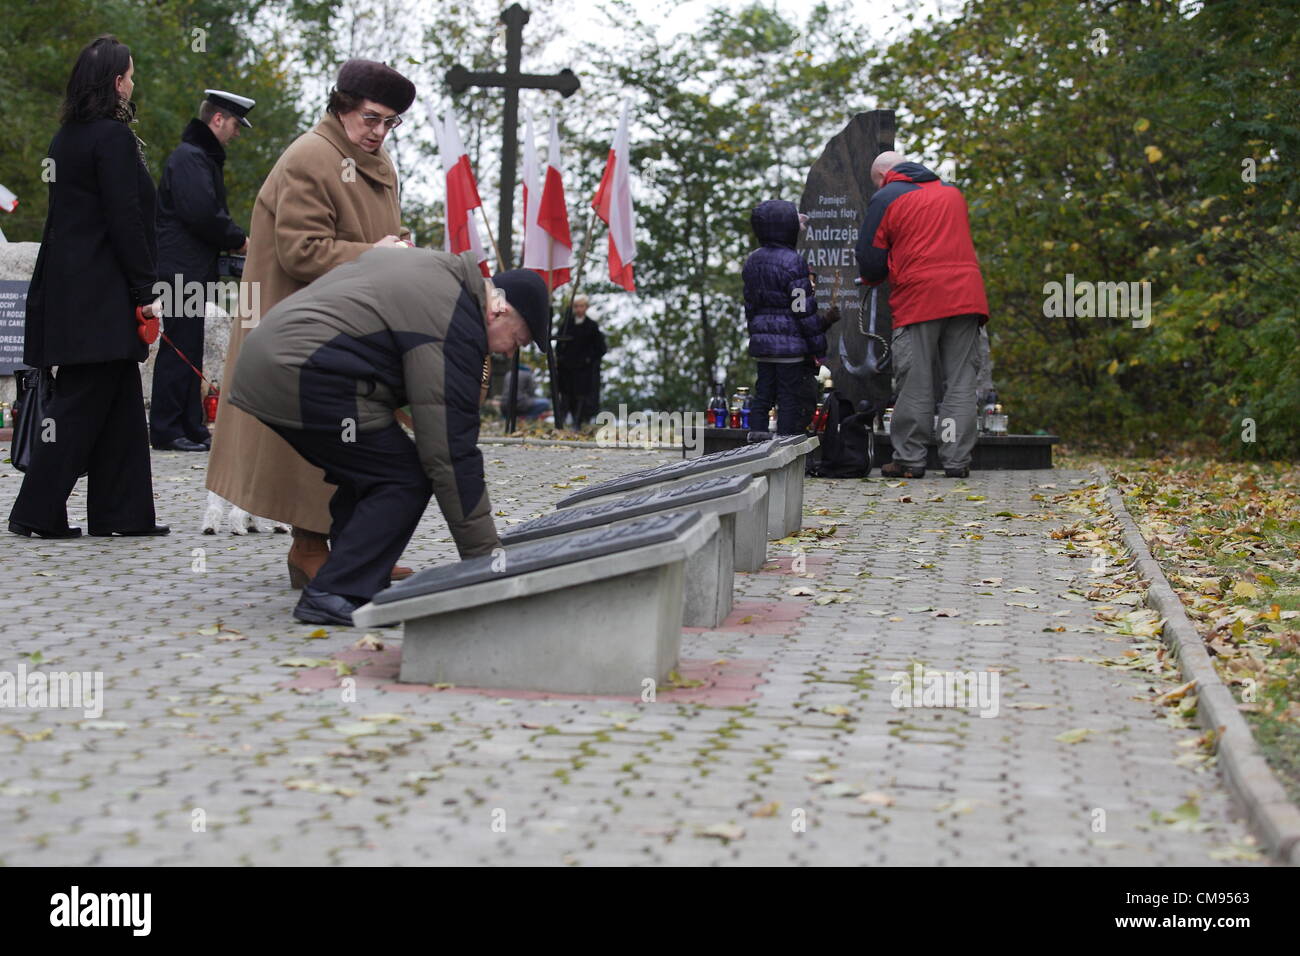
x=194, y=228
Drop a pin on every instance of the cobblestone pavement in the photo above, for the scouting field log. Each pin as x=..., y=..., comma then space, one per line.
x=212, y=750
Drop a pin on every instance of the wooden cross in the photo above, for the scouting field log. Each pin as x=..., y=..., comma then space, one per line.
x=460, y=79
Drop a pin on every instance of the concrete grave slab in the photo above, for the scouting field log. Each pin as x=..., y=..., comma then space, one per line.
x=739, y=501
x=593, y=612
x=803, y=446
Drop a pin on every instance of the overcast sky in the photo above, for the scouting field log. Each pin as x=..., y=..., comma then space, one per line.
x=875, y=16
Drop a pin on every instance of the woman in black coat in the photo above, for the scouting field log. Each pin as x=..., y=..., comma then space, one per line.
x=95, y=266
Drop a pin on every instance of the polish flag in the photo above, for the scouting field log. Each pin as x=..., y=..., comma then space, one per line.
x=613, y=204
x=8, y=201
x=536, y=241
x=462, y=191
x=553, y=214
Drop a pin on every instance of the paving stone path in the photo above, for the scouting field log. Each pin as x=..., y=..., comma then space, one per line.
x=260, y=743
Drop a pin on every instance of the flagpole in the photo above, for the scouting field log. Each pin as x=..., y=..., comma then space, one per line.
x=501, y=263
x=550, y=308
x=582, y=260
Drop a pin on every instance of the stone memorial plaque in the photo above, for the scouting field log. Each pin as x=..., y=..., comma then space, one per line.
x=631, y=506
x=672, y=471
x=529, y=556
x=13, y=316
x=835, y=200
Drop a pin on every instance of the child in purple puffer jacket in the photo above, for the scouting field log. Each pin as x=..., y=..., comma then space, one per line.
x=786, y=333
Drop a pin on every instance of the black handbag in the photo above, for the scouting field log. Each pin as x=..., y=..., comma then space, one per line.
x=34, y=398
x=847, y=445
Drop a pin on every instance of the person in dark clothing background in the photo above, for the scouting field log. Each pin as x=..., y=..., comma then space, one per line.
x=528, y=404
x=194, y=227
x=578, y=350
x=786, y=333
x=96, y=266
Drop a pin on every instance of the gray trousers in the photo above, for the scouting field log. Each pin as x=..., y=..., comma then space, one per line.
x=948, y=348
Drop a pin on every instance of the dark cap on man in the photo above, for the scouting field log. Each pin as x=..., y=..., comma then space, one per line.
x=236, y=106
x=526, y=292
x=371, y=80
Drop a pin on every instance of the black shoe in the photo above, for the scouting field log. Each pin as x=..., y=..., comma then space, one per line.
x=895, y=470
x=957, y=472
x=143, y=532
x=321, y=607
x=27, y=531
x=180, y=444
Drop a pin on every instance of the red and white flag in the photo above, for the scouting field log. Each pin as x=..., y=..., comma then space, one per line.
x=462, y=191
x=613, y=204
x=553, y=215
x=8, y=201
x=535, y=237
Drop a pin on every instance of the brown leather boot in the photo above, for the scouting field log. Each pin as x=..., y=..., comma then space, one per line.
x=308, y=552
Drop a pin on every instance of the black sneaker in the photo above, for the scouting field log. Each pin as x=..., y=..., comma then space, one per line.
x=895, y=470
x=957, y=472
x=322, y=607
x=181, y=444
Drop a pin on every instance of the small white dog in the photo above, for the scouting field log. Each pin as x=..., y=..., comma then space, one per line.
x=219, y=511
x=236, y=520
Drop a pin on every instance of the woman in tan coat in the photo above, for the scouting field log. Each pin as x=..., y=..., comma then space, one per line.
x=332, y=195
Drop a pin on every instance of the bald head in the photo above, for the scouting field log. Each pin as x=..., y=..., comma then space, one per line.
x=883, y=164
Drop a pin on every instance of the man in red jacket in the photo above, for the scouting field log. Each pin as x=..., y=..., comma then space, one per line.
x=916, y=234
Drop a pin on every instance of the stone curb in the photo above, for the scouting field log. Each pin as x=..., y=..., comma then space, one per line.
x=1273, y=818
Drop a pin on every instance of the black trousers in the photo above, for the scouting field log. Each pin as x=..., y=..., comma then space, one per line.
x=576, y=391
x=382, y=493
x=95, y=427
x=792, y=388
x=176, y=406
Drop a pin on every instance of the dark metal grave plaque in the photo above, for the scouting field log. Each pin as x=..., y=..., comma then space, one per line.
x=529, y=556
x=631, y=506
x=672, y=471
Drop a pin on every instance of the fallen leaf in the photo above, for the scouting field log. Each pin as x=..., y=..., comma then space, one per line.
x=721, y=831
x=1074, y=736
x=357, y=730
x=1178, y=693
x=306, y=662
x=316, y=786
x=877, y=799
